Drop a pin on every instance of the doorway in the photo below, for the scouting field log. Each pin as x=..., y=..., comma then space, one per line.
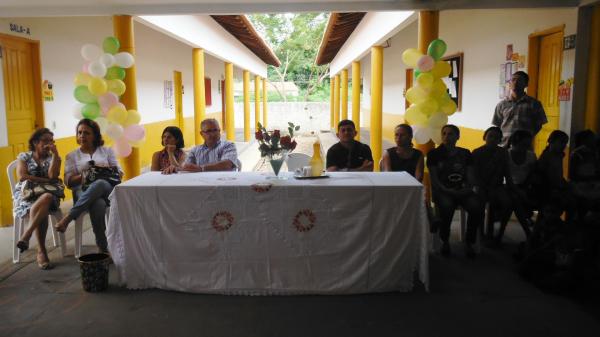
x=545, y=66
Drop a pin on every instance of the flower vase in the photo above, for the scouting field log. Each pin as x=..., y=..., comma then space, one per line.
x=276, y=160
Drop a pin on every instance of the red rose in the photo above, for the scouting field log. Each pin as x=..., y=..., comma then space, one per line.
x=276, y=134
x=258, y=135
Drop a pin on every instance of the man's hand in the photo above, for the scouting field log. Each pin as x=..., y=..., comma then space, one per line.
x=367, y=165
x=192, y=167
x=170, y=170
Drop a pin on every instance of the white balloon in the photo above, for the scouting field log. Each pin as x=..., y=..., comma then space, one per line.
x=436, y=135
x=102, y=123
x=437, y=120
x=77, y=111
x=124, y=59
x=114, y=131
x=107, y=59
x=91, y=52
x=422, y=134
x=97, y=69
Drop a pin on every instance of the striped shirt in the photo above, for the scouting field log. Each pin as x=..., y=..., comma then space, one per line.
x=223, y=150
x=526, y=113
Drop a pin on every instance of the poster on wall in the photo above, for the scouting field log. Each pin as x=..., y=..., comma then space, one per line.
x=168, y=95
x=454, y=80
x=506, y=71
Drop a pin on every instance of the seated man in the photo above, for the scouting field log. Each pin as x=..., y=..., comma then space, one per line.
x=349, y=154
x=213, y=155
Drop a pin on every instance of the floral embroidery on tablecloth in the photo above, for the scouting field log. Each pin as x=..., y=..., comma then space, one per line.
x=261, y=187
x=304, y=220
x=222, y=221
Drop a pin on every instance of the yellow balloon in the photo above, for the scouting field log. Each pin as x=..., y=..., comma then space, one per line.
x=428, y=107
x=448, y=107
x=117, y=115
x=116, y=86
x=441, y=69
x=416, y=95
x=97, y=86
x=82, y=79
x=438, y=88
x=425, y=80
x=133, y=117
x=414, y=116
x=411, y=56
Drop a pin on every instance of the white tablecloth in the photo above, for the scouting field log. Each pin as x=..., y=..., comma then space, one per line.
x=239, y=233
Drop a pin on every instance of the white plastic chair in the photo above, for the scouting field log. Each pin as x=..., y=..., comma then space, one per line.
x=21, y=223
x=297, y=160
x=79, y=230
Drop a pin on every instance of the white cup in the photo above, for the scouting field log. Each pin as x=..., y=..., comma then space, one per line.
x=306, y=171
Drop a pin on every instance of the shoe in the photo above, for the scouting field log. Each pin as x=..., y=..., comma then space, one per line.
x=61, y=228
x=470, y=252
x=445, y=251
x=45, y=264
x=22, y=245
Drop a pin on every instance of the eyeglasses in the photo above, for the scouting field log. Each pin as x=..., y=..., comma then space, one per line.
x=211, y=130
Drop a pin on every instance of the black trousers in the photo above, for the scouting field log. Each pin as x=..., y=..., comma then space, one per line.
x=446, y=204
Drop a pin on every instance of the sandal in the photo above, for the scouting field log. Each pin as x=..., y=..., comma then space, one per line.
x=44, y=265
x=62, y=228
x=22, y=245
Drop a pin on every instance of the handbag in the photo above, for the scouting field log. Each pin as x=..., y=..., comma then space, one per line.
x=93, y=173
x=31, y=190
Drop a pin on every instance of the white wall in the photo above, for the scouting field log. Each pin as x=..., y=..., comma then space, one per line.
x=157, y=56
x=482, y=35
x=202, y=31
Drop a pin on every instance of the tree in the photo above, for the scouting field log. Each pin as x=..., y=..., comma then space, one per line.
x=295, y=40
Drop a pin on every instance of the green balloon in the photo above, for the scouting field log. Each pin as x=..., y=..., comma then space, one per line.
x=115, y=73
x=83, y=95
x=436, y=49
x=417, y=73
x=111, y=45
x=90, y=111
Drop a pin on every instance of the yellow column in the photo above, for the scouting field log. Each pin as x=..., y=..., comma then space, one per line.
x=199, y=93
x=264, y=91
x=178, y=93
x=376, y=103
x=256, y=101
x=332, y=102
x=123, y=29
x=429, y=22
x=229, y=113
x=336, y=102
x=246, y=106
x=356, y=96
x=344, y=90
x=592, y=106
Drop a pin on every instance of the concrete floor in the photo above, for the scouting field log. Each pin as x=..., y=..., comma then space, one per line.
x=481, y=297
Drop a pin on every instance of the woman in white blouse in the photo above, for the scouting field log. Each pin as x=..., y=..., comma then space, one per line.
x=95, y=198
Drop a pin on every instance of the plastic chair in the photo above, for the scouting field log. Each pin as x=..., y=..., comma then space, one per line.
x=297, y=160
x=20, y=223
x=79, y=230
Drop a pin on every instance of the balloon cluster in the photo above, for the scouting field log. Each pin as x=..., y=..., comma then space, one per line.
x=98, y=87
x=430, y=102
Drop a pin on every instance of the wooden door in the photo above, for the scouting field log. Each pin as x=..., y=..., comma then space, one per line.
x=19, y=92
x=550, y=62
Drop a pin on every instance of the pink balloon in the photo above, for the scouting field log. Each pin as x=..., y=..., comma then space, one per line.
x=107, y=100
x=122, y=147
x=134, y=133
x=84, y=68
x=425, y=63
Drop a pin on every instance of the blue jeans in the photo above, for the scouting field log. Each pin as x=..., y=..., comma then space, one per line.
x=94, y=200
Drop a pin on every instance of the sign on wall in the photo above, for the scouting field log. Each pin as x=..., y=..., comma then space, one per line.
x=168, y=95
x=454, y=80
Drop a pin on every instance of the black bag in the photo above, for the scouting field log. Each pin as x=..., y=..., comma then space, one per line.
x=93, y=173
x=30, y=190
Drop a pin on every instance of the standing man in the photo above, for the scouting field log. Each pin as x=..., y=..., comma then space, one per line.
x=349, y=154
x=519, y=111
x=214, y=155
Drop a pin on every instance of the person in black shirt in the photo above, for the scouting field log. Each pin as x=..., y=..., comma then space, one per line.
x=452, y=179
x=349, y=154
x=404, y=157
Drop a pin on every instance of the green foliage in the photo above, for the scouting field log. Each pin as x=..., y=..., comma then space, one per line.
x=295, y=39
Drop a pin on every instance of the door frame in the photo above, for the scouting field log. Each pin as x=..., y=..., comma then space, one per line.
x=36, y=70
x=533, y=64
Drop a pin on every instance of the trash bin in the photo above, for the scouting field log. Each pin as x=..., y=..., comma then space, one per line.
x=94, y=271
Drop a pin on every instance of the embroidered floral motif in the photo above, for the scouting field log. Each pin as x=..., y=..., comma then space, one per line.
x=261, y=187
x=222, y=221
x=299, y=222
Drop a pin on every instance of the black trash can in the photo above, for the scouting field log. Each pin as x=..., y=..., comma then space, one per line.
x=94, y=271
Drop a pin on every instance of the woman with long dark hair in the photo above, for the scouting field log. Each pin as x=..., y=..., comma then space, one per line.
x=172, y=154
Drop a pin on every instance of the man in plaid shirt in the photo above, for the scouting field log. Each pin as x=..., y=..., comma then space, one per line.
x=519, y=111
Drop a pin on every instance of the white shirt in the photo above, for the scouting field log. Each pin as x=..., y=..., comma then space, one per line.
x=77, y=161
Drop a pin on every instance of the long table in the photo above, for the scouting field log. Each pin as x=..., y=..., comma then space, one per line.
x=241, y=233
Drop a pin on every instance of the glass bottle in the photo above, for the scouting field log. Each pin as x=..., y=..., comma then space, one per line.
x=316, y=163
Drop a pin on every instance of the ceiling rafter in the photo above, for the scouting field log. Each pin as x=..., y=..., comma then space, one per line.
x=339, y=28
